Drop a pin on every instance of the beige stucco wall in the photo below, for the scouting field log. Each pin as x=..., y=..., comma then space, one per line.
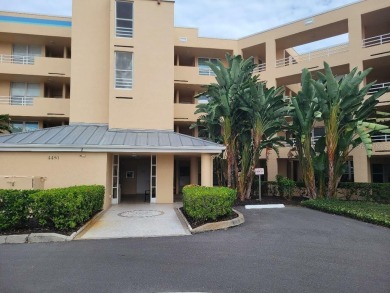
x=153, y=69
x=90, y=61
x=60, y=169
x=165, y=168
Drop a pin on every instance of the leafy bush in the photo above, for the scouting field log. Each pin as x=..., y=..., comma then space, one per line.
x=370, y=212
x=379, y=192
x=60, y=208
x=14, y=208
x=285, y=186
x=66, y=208
x=208, y=203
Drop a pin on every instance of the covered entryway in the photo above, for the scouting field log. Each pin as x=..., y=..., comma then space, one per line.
x=133, y=178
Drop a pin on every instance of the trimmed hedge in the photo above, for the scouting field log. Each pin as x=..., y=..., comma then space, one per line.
x=14, y=208
x=59, y=208
x=208, y=203
x=370, y=212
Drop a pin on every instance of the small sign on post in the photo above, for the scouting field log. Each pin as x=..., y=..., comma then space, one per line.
x=259, y=171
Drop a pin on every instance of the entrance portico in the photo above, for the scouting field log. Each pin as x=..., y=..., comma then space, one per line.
x=92, y=154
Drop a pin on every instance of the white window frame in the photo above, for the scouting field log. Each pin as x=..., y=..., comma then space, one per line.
x=204, y=71
x=123, y=32
x=125, y=82
x=24, y=125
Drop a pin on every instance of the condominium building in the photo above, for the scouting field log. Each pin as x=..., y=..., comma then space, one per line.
x=107, y=96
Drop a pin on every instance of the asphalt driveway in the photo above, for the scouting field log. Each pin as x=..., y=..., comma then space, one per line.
x=281, y=250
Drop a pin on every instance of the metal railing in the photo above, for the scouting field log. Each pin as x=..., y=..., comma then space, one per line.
x=260, y=68
x=123, y=83
x=378, y=86
x=374, y=138
x=380, y=138
x=313, y=55
x=377, y=40
x=17, y=100
x=124, y=32
x=205, y=70
x=17, y=59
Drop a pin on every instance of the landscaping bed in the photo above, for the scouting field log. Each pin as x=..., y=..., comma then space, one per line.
x=59, y=210
x=371, y=212
x=194, y=223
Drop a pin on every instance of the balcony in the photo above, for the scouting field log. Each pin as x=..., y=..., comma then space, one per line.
x=185, y=112
x=34, y=107
x=260, y=68
x=193, y=75
x=379, y=86
x=314, y=55
x=38, y=66
x=376, y=41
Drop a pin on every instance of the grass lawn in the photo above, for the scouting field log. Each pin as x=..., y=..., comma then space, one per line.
x=370, y=212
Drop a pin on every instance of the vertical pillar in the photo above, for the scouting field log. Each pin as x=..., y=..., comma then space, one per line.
x=362, y=166
x=206, y=170
x=194, y=170
x=196, y=131
x=177, y=177
x=165, y=178
x=272, y=166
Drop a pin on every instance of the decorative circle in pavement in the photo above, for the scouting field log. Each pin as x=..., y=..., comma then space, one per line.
x=141, y=214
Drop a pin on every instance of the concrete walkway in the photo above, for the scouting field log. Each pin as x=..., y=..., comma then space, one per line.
x=136, y=220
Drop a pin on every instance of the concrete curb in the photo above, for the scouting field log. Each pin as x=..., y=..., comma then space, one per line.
x=76, y=235
x=44, y=237
x=213, y=226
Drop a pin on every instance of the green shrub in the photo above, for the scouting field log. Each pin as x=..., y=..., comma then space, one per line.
x=379, y=192
x=285, y=186
x=370, y=212
x=60, y=208
x=14, y=208
x=66, y=208
x=208, y=203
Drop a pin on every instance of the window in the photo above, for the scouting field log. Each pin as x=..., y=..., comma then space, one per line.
x=124, y=19
x=24, y=93
x=22, y=126
x=24, y=54
x=377, y=173
x=203, y=99
x=204, y=69
x=123, y=70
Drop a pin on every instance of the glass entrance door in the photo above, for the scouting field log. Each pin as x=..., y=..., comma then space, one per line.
x=116, y=192
x=153, y=178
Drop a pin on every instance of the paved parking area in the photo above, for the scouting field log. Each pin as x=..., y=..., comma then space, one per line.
x=276, y=250
x=136, y=220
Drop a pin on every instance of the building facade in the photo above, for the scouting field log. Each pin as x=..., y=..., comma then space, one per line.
x=117, y=82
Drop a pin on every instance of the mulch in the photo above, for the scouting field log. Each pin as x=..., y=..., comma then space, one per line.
x=197, y=223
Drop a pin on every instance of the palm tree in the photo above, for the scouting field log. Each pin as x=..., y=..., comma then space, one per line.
x=4, y=124
x=348, y=118
x=264, y=111
x=232, y=81
x=303, y=114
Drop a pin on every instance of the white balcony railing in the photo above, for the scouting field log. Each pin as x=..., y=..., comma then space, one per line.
x=124, y=32
x=123, y=83
x=17, y=59
x=312, y=55
x=17, y=101
x=380, y=138
x=377, y=40
x=260, y=68
x=205, y=70
x=378, y=86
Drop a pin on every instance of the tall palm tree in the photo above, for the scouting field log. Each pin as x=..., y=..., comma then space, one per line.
x=348, y=118
x=224, y=95
x=304, y=110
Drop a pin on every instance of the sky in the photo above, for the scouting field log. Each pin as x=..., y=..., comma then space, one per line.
x=231, y=19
